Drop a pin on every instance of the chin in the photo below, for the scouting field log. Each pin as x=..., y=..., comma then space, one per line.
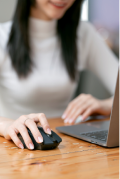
x=56, y=16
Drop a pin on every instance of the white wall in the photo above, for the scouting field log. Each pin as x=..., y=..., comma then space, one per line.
x=7, y=9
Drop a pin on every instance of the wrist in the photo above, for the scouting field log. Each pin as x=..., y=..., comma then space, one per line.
x=4, y=123
x=106, y=105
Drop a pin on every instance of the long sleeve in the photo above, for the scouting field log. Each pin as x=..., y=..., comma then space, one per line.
x=95, y=56
x=4, y=35
x=1, y=57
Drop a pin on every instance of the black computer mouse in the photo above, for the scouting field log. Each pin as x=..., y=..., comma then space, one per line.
x=49, y=141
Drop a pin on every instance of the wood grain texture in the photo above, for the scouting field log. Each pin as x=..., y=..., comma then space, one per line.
x=73, y=158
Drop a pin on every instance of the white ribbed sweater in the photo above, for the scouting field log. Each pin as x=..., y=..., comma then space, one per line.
x=48, y=89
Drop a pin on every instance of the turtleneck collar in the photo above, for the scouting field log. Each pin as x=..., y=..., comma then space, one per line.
x=42, y=29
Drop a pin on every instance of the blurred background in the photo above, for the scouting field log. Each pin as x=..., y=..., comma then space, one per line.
x=104, y=15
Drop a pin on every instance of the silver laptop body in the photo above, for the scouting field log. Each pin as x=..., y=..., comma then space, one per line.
x=104, y=133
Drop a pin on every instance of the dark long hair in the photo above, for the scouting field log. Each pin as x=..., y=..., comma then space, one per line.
x=19, y=46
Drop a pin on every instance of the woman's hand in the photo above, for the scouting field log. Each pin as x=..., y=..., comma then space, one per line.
x=86, y=105
x=19, y=126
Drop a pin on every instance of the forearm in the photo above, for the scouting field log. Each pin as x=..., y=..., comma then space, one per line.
x=4, y=122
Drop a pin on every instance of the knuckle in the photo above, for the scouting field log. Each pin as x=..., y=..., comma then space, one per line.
x=23, y=116
x=32, y=115
x=42, y=115
x=29, y=121
x=89, y=95
x=83, y=95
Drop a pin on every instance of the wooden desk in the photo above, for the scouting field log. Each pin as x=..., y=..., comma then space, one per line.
x=73, y=159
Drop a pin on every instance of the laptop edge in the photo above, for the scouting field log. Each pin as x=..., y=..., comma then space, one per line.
x=111, y=126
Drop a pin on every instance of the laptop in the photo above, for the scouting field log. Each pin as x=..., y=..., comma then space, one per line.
x=103, y=133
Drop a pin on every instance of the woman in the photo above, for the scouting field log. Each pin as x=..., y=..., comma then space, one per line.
x=41, y=53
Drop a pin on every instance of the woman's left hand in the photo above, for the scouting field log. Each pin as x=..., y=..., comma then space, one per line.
x=86, y=105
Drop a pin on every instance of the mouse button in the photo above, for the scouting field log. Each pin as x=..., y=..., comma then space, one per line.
x=56, y=137
x=46, y=139
x=52, y=138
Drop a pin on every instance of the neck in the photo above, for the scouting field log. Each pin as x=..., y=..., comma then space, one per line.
x=38, y=14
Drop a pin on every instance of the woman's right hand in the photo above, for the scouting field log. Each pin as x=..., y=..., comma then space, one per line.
x=19, y=126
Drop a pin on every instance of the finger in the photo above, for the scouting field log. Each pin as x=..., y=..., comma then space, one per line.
x=81, y=100
x=44, y=123
x=81, y=97
x=15, y=139
x=78, y=112
x=70, y=108
x=71, y=114
x=33, y=128
x=79, y=109
x=88, y=112
x=23, y=131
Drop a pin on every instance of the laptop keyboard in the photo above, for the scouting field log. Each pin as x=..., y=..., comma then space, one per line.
x=100, y=135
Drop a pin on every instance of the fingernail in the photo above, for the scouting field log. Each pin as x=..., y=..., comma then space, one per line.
x=71, y=121
x=66, y=120
x=63, y=116
x=82, y=117
x=40, y=139
x=49, y=131
x=31, y=146
x=21, y=146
